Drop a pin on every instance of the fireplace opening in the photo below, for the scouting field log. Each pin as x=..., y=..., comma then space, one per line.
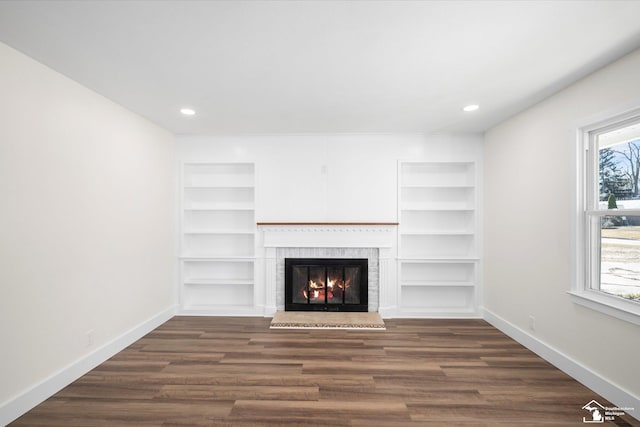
x=326, y=284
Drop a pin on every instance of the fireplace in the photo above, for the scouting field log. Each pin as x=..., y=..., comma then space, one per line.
x=326, y=284
x=375, y=242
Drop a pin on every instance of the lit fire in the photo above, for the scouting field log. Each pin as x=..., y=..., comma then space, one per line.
x=334, y=286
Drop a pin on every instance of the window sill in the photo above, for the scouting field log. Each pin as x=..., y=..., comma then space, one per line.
x=613, y=306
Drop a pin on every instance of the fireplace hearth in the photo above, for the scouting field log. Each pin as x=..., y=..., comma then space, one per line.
x=326, y=284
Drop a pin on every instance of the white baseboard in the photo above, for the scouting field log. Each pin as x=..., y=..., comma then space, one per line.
x=19, y=405
x=387, y=312
x=618, y=396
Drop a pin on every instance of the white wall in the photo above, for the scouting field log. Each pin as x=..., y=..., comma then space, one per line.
x=87, y=222
x=527, y=233
x=331, y=177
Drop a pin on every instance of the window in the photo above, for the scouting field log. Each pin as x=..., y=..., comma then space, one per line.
x=608, y=226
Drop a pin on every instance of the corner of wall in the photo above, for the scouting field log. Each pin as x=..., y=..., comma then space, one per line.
x=612, y=392
x=19, y=405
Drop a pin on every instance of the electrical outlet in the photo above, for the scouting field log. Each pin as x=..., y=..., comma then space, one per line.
x=532, y=323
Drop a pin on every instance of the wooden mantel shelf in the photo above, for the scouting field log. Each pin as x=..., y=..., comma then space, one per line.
x=270, y=224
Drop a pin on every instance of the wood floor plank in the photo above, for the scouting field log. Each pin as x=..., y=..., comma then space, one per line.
x=371, y=368
x=328, y=409
x=133, y=365
x=454, y=414
x=234, y=368
x=170, y=356
x=505, y=372
x=235, y=371
x=92, y=411
x=313, y=352
x=103, y=390
x=238, y=392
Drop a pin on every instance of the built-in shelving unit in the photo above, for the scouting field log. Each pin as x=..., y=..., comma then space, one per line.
x=438, y=244
x=218, y=234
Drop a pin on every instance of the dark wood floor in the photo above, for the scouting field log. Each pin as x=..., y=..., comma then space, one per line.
x=225, y=371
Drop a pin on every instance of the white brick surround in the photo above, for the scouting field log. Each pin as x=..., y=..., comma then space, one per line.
x=377, y=243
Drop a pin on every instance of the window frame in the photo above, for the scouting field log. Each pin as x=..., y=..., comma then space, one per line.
x=586, y=233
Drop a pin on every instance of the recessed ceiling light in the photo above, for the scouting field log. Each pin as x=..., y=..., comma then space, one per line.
x=472, y=107
x=188, y=111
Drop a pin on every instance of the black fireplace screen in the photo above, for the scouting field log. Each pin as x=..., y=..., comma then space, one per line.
x=326, y=284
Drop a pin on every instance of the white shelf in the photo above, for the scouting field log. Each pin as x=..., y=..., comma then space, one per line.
x=218, y=175
x=439, y=259
x=219, y=245
x=437, y=284
x=221, y=232
x=219, y=295
x=221, y=310
x=426, y=206
x=438, y=265
x=217, y=258
x=460, y=246
x=218, y=238
x=217, y=187
x=444, y=221
x=217, y=282
x=437, y=298
x=437, y=174
x=419, y=313
x=436, y=233
x=438, y=186
x=217, y=309
x=220, y=207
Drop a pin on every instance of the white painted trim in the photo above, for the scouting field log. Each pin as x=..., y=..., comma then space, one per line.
x=617, y=307
x=19, y=405
x=328, y=236
x=222, y=310
x=573, y=368
x=584, y=268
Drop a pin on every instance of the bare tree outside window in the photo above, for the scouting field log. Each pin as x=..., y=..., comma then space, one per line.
x=632, y=154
